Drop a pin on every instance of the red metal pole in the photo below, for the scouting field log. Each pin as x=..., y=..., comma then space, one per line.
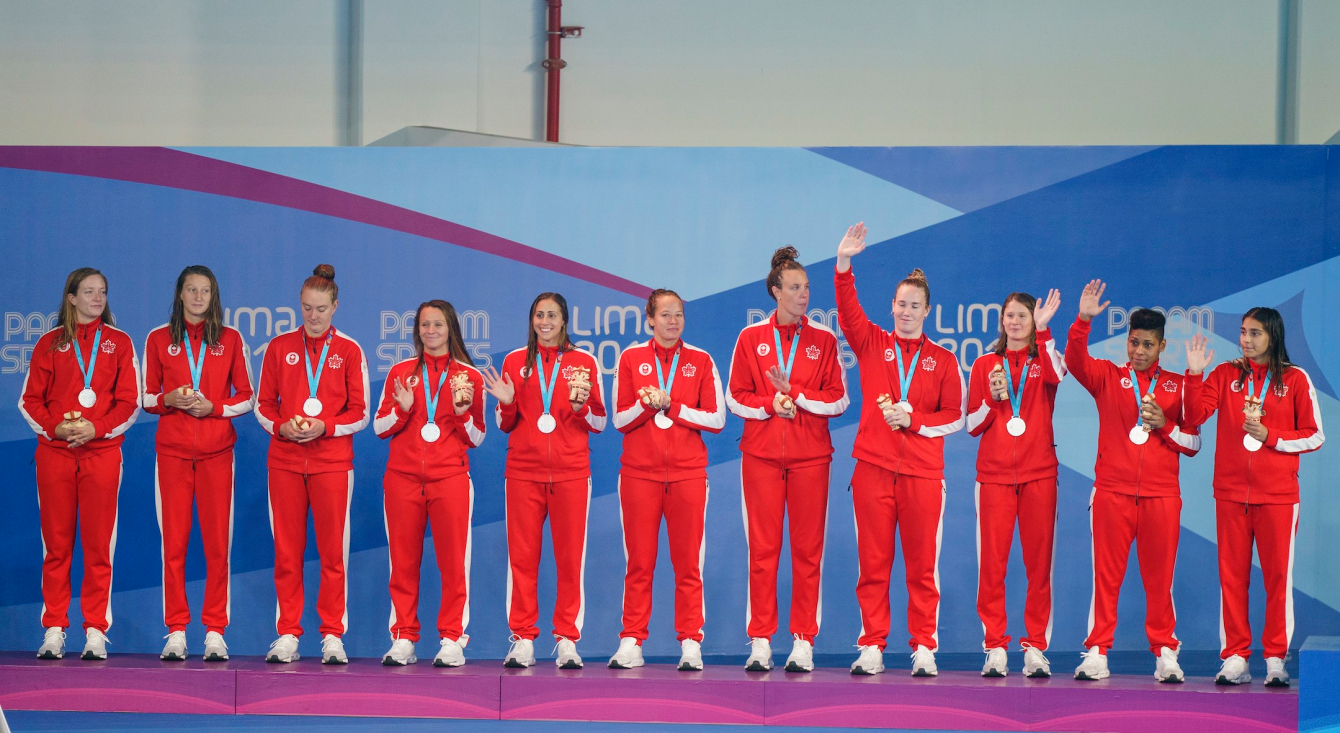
x=554, y=63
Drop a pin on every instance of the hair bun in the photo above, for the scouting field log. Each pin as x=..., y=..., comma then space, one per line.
x=784, y=254
x=916, y=274
x=326, y=271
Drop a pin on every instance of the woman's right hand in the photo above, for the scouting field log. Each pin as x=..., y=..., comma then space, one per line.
x=1197, y=358
x=1091, y=301
x=178, y=401
x=499, y=385
x=851, y=245
x=403, y=396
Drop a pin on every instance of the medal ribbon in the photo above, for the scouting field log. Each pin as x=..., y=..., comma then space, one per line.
x=92, y=358
x=790, y=360
x=905, y=382
x=547, y=390
x=1135, y=385
x=313, y=378
x=197, y=368
x=1265, y=387
x=430, y=399
x=1016, y=398
x=674, y=366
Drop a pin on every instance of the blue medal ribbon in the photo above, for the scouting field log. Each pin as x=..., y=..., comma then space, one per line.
x=547, y=390
x=92, y=358
x=905, y=381
x=1135, y=385
x=790, y=360
x=660, y=376
x=314, y=378
x=1265, y=387
x=1016, y=398
x=197, y=368
x=430, y=399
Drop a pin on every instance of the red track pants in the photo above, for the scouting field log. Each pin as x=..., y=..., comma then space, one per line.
x=208, y=484
x=642, y=503
x=1153, y=524
x=328, y=495
x=1273, y=527
x=999, y=506
x=410, y=506
x=565, y=503
x=885, y=503
x=80, y=492
x=800, y=495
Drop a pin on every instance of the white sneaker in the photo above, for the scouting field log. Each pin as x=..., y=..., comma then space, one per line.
x=997, y=663
x=567, y=658
x=332, y=650
x=1276, y=675
x=175, y=649
x=690, y=656
x=452, y=654
x=923, y=662
x=215, y=648
x=522, y=653
x=96, y=645
x=760, y=655
x=1166, y=668
x=284, y=649
x=871, y=660
x=1233, y=672
x=1094, y=666
x=801, y=658
x=400, y=653
x=53, y=644
x=1035, y=664
x=628, y=656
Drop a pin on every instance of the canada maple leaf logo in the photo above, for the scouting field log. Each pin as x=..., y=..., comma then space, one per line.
x=928, y=364
x=335, y=361
x=108, y=347
x=216, y=350
x=689, y=370
x=813, y=353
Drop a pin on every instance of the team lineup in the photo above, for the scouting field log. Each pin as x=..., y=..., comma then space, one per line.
x=85, y=388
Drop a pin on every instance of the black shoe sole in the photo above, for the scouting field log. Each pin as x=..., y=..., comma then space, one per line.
x=757, y=667
x=571, y=665
x=50, y=655
x=924, y=673
x=1277, y=683
x=389, y=662
x=993, y=673
x=89, y=657
x=1086, y=678
x=514, y=664
x=689, y=668
x=334, y=661
x=1039, y=675
x=216, y=658
x=1227, y=682
x=1174, y=680
x=437, y=663
x=793, y=667
x=861, y=671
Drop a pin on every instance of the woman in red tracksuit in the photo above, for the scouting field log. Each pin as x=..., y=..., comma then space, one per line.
x=1268, y=415
x=1011, y=397
x=313, y=397
x=549, y=404
x=913, y=392
x=666, y=394
x=80, y=396
x=1142, y=433
x=197, y=378
x=786, y=381
x=432, y=410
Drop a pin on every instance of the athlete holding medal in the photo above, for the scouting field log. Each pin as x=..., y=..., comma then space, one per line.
x=1142, y=430
x=786, y=382
x=432, y=410
x=1011, y=398
x=80, y=396
x=666, y=394
x=197, y=378
x=313, y=397
x=549, y=404
x=898, y=485
x=1268, y=415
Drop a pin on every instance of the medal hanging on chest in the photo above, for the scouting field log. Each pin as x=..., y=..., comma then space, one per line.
x=663, y=420
x=905, y=379
x=430, y=431
x=1253, y=405
x=546, y=422
x=312, y=406
x=787, y=403
x=197, y=367
x=1139, y=434
x=1015, y=425
x=87, y=397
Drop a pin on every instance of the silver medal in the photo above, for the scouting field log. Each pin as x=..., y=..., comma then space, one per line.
x=1251, y=444
x=311, y=407
x=87, y=397
x=663, y=421
x=430, y=432
x=1016, y=427
x=1139, y=436
x=546, y=423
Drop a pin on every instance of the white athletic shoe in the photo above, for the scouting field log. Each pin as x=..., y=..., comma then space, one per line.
x=802, y=656
x=400, y=654
x=1276, y=675
x=567, y=658
x=690, y=656
x=522, y=653
x=1166, y=668
x=175, y=649
x=1233, y=672
x=215, y=648
x=997, y=663
x=760, y=655
x=871, y=660
x=452, y=654
x=95, y=647
x=1035, y=664
x=628, y=656
x=1094, y=666
x=53, y=644
x=332, y=650
x=284, y=650
x=923, y=662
